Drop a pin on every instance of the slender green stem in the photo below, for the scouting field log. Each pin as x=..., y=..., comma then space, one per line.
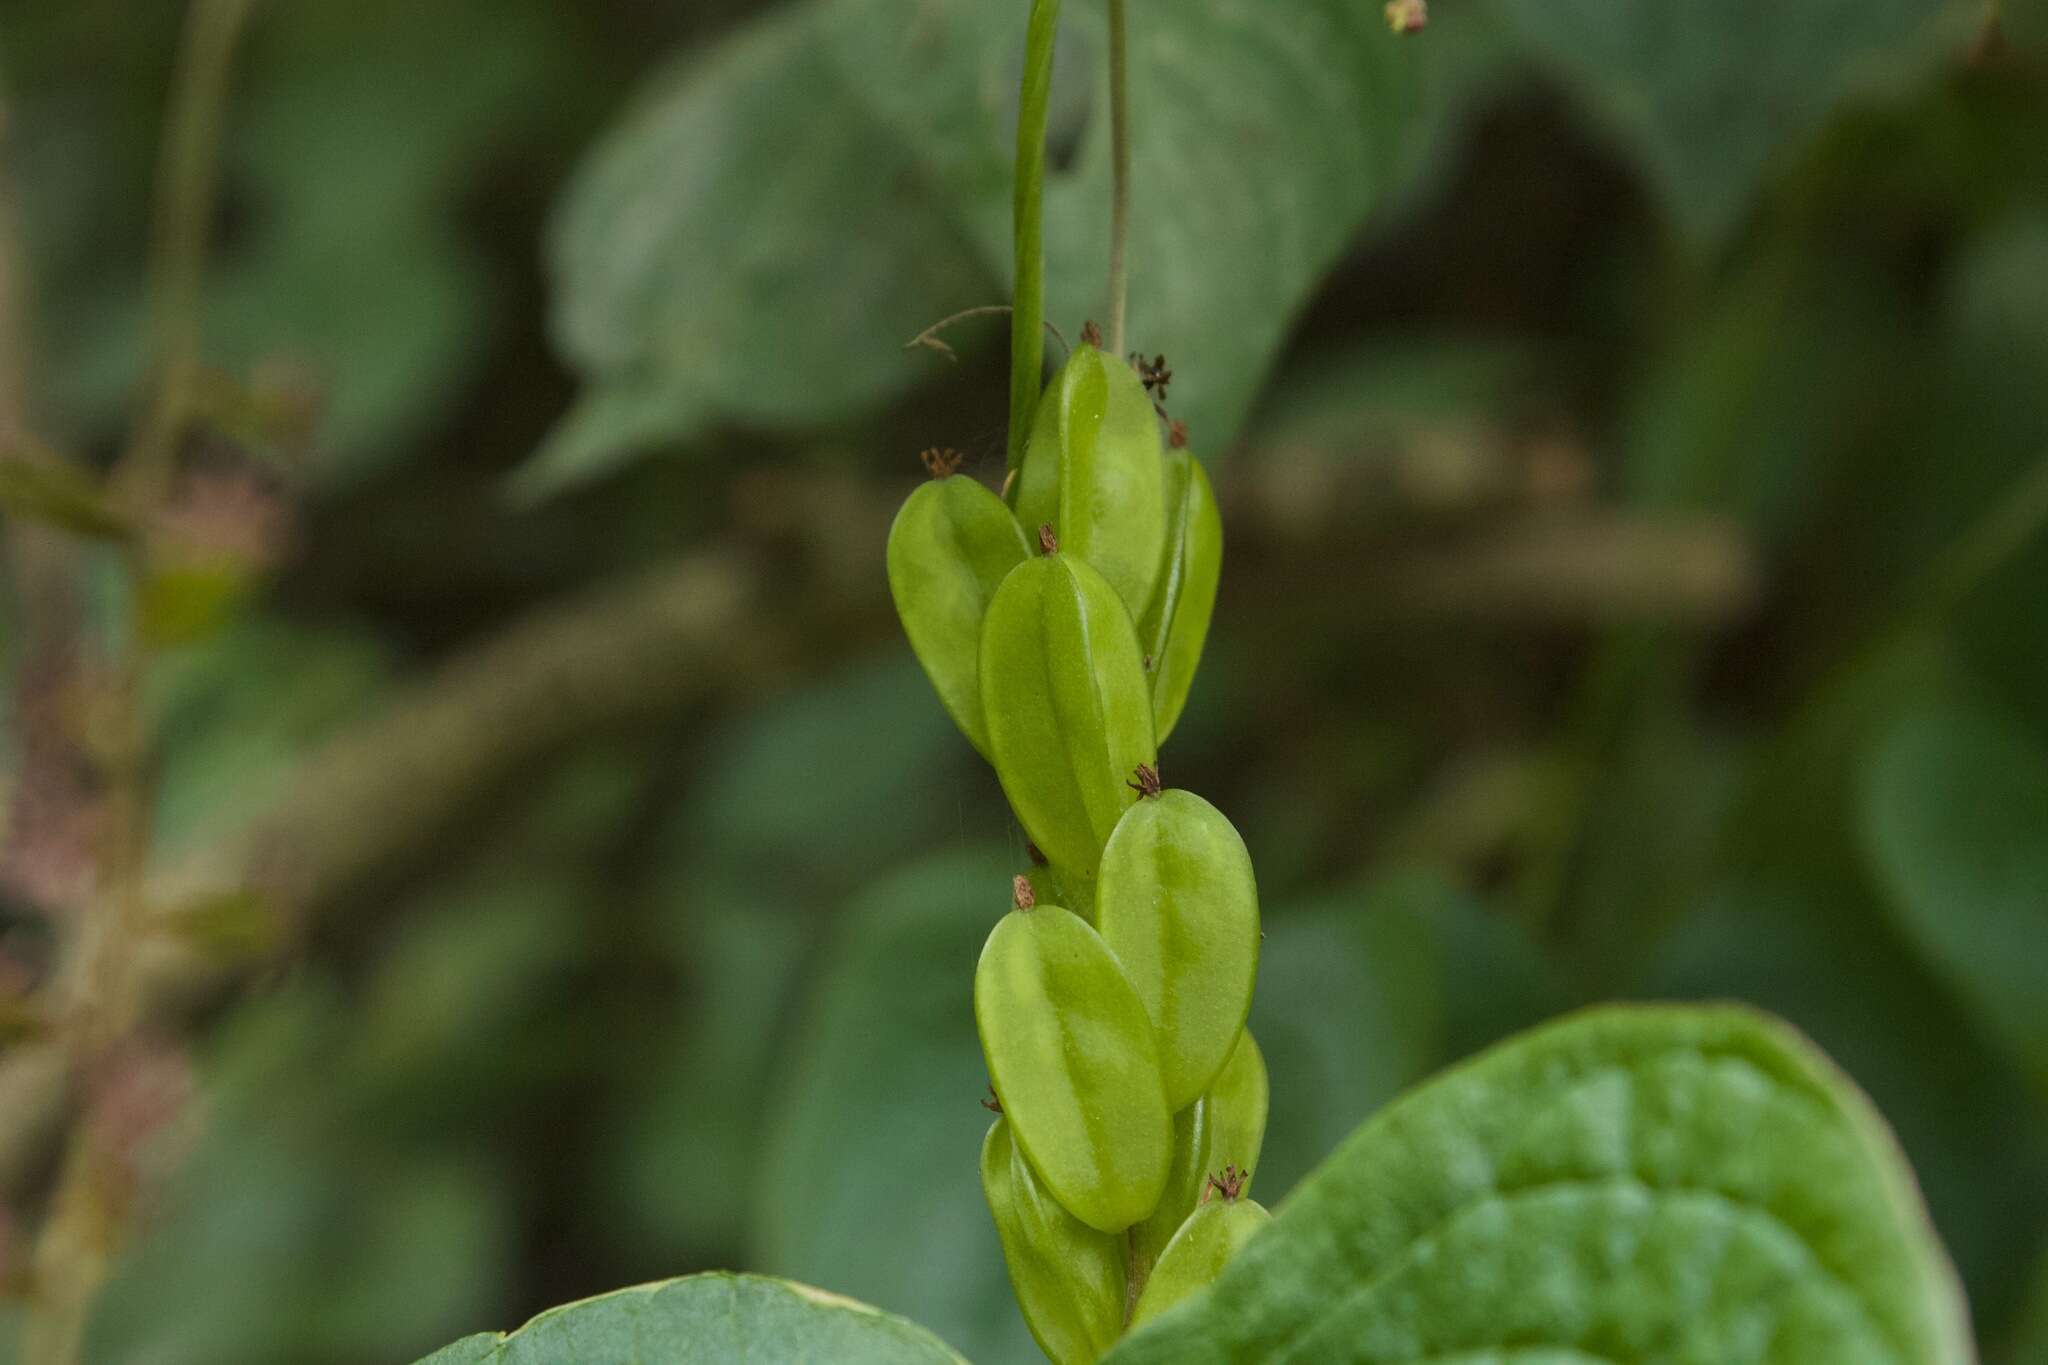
x=1120, y=177
x=1027, y=343
x=187, y=188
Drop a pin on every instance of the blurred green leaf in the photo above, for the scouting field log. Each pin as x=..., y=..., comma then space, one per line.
x=870, y=1184
x=818, y=788
x=2030, y=1341
x=1362, y=994
x=1631, y=1182
x=1267, y=132
x=748, y=243
x=1955, y=824
x=306, y=1241
x=692, y=1102
x=1347, y=1011
x=707, y=1317
x=1708, y=124
x=234, y=714
x=356, y=134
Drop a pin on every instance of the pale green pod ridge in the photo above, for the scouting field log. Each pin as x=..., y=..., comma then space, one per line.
x=950, y=548
x=1072, y=1058
x=1176, y=902
x=1197, y=1254
x=1186, y=1177
x=1226, y=1127
x=1238, y=1100
x=1175, y=623
x=1064, y=698
x=1069, y=1279
x=1092, y=471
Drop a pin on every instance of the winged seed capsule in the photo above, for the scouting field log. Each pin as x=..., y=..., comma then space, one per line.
x=1226, y=1127
x=1074, y=1064
x=1204, y=1245
x=1063, y=695
x=1176, y=902
x=1093, y=471
x=1068, y=1278
x=949, y=549
x=1175, y=623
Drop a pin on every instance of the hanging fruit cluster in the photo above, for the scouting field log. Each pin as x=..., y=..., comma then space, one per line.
x=1061, y=624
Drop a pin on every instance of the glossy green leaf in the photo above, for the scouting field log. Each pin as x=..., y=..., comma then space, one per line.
x=1955, y=823
x=1198, y=1252
x=1068, y=1278
x=1226, y=1127
x=1175, y=623
x=1690, y=1185
x=1176, y=901
x=1093, y=472
x=1064, y=698
x=1658, y=73
x=702, y=287
x=949, y=550
x=1074, y=1062
x=707, y=1317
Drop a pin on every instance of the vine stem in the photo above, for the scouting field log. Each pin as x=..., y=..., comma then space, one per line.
x=1027, y=319
x=187, y=189
x=1120, y=176
x=88, y=1208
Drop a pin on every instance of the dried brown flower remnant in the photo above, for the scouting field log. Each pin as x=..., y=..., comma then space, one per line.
x=940, y=462
x=1021, y=892
x=1228, y=1182
x=1048, y=543
x=1407, y=16
x=1091, y=334
x=1155, y=374
x=1145, y=782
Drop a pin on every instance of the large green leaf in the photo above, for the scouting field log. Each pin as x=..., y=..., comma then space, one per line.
x=1955, y=823
x=749, y=243
x=1264, y=132
x=1711, y=96
x=1638, y=1183
x=707, y=1317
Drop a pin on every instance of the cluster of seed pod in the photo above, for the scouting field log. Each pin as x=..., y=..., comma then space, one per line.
x=1111, y=1000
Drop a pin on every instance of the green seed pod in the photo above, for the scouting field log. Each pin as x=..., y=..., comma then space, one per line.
x=1175, y=623
x=950, y=548
x=1064, y=698
x=1198, y=1253
x=1074, y=1065
x=1237, y=1130
x=1226, y=1127
x=1093, y=471
x=1068, y=1278
x=1176, y=903
x=1186, y=1177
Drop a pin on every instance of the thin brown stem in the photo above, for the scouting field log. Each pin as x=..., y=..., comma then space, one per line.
x=929, y=338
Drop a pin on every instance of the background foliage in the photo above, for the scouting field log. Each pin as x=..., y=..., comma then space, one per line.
x=1630, y=425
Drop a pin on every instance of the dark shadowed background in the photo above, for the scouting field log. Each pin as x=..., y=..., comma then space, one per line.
x=1631, y=423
